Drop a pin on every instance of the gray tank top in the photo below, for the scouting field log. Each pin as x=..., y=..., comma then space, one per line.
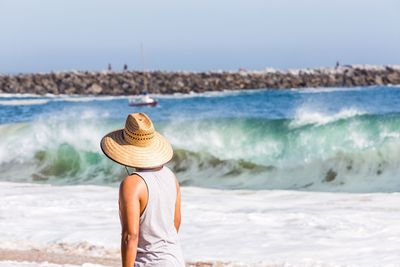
x=158, y=243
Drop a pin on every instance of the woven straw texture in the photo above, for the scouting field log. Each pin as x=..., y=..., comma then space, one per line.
x=138, y=145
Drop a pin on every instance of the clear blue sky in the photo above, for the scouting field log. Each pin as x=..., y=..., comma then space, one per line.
x=45, y=35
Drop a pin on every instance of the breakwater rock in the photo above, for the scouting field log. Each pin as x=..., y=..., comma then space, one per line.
x=160, y=82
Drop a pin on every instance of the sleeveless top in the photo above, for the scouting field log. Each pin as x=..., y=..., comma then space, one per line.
x=158, y=243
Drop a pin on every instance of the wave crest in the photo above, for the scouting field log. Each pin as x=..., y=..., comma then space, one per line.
x=306, y=116
x=358, y=153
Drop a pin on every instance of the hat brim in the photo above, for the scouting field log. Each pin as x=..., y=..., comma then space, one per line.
x=155, y=155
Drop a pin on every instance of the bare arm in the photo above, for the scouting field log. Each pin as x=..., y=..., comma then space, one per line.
x=177, y=217
x=129, y=208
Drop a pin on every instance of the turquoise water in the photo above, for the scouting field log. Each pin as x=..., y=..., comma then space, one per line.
x=312, y=139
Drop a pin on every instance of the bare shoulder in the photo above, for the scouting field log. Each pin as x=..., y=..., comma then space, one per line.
x=132, y=184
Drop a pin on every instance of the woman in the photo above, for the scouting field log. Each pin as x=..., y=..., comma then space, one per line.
x=149, y=199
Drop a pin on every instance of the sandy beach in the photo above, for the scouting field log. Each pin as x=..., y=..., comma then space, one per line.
x=37, y=257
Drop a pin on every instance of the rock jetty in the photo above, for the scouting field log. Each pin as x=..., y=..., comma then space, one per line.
x=160, y=82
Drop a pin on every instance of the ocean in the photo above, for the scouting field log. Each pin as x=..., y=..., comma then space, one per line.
x=301, y=177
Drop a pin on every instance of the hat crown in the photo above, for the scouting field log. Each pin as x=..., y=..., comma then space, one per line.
x=139, y=130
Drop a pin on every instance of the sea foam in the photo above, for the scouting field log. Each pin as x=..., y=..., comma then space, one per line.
x=287, y=228
x=341, y=152
x=305, y=115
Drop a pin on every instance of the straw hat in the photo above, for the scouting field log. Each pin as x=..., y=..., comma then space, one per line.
x=138, y=145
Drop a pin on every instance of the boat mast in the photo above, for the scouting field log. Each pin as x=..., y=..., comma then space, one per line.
x=145, y=82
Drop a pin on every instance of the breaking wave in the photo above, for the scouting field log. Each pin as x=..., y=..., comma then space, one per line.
x=348, y=151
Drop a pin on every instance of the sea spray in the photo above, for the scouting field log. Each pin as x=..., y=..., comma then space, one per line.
x=350, y=151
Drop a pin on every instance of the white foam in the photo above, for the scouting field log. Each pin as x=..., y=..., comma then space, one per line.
x=50, y=131
x=305, y=115
x=25, y=102
x=207, y=94
x=272, y=227
x=8, y=95
x=363, y=161
x=88, y=98
x=315, y=90
x=29, y=99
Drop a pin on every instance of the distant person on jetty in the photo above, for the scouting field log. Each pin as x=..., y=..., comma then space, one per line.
x=125, y=67
x=149, y=198
x=337, y=64
x=109, y=67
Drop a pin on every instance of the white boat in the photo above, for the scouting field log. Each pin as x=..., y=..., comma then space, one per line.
x=144, y=100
